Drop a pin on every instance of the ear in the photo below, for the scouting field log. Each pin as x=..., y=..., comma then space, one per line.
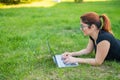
x=93, y=26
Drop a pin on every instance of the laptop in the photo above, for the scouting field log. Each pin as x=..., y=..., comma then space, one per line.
x=58, y=59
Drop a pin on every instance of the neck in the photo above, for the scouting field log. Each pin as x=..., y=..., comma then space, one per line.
x=94, y=34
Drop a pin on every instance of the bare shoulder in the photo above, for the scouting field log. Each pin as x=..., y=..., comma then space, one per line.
x=103, y=43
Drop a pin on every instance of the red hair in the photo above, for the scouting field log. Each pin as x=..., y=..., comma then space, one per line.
x=93, y=18
x=106, y=23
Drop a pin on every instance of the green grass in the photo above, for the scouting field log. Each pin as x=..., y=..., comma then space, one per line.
x=24, y=31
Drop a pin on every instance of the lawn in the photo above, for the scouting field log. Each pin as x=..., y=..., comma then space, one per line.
x=24, y=31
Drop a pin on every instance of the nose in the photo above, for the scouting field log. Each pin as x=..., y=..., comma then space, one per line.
x=81, y=29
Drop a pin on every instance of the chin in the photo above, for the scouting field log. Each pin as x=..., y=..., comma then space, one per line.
x=85, y=34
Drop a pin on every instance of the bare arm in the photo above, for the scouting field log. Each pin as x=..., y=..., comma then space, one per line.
x=102, y=51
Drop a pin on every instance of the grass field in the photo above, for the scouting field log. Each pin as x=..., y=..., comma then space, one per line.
x=24, y=31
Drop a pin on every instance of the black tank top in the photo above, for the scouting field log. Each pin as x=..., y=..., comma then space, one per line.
x=114, y=51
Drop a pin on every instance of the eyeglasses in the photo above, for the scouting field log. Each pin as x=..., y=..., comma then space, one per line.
x=83, y=27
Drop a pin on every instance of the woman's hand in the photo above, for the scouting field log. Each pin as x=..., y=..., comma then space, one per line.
x=65, y=55
x=70, y=59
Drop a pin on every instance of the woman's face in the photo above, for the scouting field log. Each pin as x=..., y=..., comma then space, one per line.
x=85, y=28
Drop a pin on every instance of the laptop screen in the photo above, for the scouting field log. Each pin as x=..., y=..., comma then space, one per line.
x=49, y=49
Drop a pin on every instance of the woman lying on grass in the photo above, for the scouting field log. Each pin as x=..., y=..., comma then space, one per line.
x=100, y=38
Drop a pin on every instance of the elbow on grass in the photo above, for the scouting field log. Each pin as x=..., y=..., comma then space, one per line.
x=98, y=63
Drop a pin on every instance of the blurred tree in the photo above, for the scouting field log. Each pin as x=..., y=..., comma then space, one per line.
x=78, y=0
x=16, y=1
x=10, y=1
